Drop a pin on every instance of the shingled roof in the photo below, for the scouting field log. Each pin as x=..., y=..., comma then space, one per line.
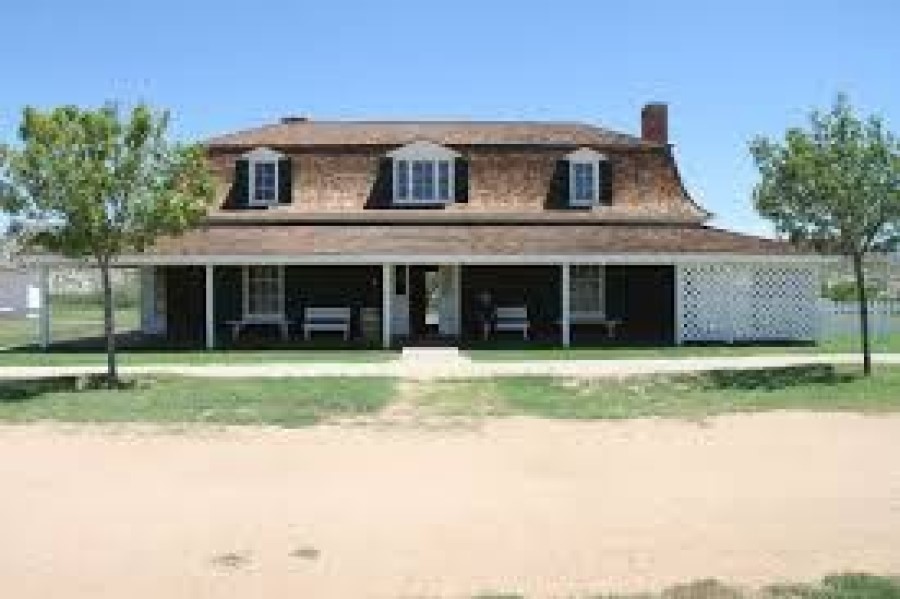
x=310, y=133
x=463, y=240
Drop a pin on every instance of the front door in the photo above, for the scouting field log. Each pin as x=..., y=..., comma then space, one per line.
x=426, y=302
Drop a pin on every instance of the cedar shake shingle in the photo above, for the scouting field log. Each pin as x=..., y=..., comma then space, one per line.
x=461, y=240
x=311, y=133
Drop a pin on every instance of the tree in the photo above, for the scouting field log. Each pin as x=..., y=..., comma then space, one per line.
x=836, y=186
x=94, y=184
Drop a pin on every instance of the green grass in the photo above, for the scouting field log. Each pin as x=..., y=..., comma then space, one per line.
x=279, y=402
x=838, y=586
x=516, y=351
x=191, y=357
x=297, y=401
x=815, y=388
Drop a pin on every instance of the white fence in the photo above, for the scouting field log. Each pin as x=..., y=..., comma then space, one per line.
x=841, y=319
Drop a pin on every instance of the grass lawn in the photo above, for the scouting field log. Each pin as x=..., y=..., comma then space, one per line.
x=195, y=357
x=279, y=402
x=302, y=401
x=516, y=351
x=816, y=388
x=837, y=586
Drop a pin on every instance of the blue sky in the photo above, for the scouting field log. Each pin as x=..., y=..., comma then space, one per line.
x=729, y=70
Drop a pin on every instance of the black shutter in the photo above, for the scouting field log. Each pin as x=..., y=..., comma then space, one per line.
x=239, y=194
x=605, y=174
x=558, y=191
x=382, y=192
x=461, y=180
x=285, y=181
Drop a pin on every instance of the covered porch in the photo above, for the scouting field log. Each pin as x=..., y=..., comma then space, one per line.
x=295, y=305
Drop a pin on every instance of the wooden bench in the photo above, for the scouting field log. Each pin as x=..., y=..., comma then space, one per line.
x=326, y=319
x=512, y=318
x=281, y=322
x=609, y=324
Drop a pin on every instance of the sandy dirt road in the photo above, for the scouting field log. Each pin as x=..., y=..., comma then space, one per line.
x=540, y=507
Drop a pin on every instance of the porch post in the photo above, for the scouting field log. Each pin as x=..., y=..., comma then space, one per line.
x=387, y=290
x=44, y=310
x=566, y=306
x=210, y=309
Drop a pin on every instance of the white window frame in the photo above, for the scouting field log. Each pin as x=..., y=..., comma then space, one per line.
x=423, y=151
x=254, y=158
x=598, y=312
x=279, y=314
x=593, y=159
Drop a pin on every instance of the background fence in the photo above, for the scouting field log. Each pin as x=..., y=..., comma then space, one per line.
x=841, y=319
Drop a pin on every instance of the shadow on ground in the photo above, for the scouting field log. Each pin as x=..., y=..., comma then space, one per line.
x=774, y=379
x=13, y=391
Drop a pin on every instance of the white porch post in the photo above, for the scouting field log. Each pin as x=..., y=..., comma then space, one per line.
x=210, y=309
x=679, y=308
x=44, y=311
x=566, y=306
x=387, y=291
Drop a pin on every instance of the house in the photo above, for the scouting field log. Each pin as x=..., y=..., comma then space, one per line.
x=19, y=292
x=393, y=232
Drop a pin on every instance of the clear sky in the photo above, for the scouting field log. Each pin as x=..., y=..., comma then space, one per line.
x=729, y=70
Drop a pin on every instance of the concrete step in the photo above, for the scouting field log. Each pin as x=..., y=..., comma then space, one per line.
x=432, y=354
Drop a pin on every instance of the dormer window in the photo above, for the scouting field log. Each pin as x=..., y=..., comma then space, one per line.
x=423, y=180
x=584, y=177
x=263, y=176
x=423, y=174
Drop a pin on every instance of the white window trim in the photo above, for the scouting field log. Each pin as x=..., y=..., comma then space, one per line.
x=261, y=156
x=245, y=275
x=592, y=158
x=423, y=151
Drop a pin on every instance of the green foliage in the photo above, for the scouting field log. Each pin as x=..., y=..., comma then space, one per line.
x=835, y=184
x=845, y=291
x=97, y=183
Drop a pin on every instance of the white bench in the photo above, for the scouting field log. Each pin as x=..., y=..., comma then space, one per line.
x=512, y=318
x=610, y=324
x=281, y=322
x=323, y=319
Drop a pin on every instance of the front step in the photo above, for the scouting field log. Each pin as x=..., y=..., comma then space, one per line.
x=432, y=355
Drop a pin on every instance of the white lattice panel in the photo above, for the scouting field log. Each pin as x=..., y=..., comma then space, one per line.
x=746, y=302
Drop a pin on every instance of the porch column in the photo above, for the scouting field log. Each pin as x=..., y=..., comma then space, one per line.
x=387, y=291
x=44, y=309
x=210, y=309
x=566, y=306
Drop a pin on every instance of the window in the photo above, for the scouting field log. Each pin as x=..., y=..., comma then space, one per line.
x=262, y=176
x=423, y=173
x=263, y=291
x=264, y=182
x=584, y=183
x=584, y=176
x=587, y=286
x=423, y=180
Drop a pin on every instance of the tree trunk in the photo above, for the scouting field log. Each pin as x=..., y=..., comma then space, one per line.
x=109, y=326
x=859, y=271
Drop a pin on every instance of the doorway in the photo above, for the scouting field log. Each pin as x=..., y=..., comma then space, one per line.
x=426, y=305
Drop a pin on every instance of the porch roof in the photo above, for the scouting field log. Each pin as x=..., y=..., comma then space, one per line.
x=509, y=240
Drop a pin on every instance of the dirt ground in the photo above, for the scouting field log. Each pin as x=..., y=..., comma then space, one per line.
x=544, y=508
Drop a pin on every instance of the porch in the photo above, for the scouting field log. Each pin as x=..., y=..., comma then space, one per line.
x=273, y=305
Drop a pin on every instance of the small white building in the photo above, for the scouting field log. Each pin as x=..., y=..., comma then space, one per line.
x=19, y=292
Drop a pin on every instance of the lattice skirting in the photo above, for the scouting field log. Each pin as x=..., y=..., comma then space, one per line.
x=746, y=302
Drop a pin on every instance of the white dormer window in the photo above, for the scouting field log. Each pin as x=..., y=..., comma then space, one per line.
x=584, y=177
x=263, y=173
x=423, y=174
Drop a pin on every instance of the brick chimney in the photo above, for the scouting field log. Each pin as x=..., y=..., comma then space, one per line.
x=655, y=122
x=295, y=118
